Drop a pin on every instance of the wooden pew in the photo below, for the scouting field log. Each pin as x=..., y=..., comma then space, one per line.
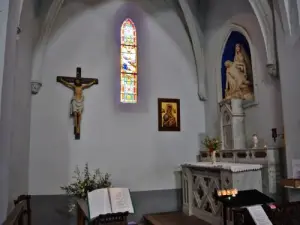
x=111, y=219
x=21, y=213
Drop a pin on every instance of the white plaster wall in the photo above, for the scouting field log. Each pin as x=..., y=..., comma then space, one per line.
x=14, y=123
x=267, y=114
x=20, y=136
x=289, y=55
x=124, y=144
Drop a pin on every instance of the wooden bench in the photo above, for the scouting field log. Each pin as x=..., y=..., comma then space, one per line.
x=110, y=219
x=21, y=213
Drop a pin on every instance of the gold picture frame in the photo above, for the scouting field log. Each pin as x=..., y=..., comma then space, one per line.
x=168, y=114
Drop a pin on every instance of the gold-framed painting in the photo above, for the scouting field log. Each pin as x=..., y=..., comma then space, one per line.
x=168, y=114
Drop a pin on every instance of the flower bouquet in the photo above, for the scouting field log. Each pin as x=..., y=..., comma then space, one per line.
x=212, y=145
x=84, y=183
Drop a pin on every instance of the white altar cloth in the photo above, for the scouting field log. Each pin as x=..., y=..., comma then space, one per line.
x=233, y=167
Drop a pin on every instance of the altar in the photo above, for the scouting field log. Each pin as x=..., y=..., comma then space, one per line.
x=200, y=181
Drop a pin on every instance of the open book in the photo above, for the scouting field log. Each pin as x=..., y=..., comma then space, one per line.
x=258, y=215
x=109, y=200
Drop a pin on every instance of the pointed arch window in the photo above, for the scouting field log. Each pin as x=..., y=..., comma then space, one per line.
x=128, y=57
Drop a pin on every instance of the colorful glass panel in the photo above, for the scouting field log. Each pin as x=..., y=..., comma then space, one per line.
x=128, y=60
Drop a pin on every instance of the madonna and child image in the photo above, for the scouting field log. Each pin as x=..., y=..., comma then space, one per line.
x=168, y=114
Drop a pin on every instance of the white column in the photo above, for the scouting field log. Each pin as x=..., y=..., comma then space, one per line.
x=9, y=18
x=238, y=126
x=4, y=6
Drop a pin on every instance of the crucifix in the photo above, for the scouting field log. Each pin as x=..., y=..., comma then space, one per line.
x=77, y=84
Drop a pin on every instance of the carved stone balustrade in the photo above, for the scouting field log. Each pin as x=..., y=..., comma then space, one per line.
x=201, y=180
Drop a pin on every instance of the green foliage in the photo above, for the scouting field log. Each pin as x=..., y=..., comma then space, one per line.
x=212, y=144
x=86, y=182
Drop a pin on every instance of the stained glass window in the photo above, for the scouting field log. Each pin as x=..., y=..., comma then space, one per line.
x=128, y=92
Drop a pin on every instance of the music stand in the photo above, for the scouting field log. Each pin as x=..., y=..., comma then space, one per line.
x=243, y=199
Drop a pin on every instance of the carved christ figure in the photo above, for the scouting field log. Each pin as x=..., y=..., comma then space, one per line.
x=77, y=101
x=77, y=84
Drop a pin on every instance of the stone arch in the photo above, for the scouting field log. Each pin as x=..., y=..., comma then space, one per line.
x=261, y=9
x=40, y=48
x=195, y=34
x=225, y=34
x=196, y=37
x=263, y=14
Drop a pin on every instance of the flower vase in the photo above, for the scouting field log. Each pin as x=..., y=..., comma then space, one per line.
x=213, y=157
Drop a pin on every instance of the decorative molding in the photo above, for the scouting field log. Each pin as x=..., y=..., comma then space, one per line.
x=19, y=31
x=263, y=13
x=287, y=9
x=202, y=97
x=232, y=125
x=272, y=70
x=40, y=48
x=50, y=19
x=196, y=41
x=224, y=123
x=20, y=9
x=35, y=87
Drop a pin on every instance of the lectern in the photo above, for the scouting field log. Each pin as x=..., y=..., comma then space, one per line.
x=109, y=219
x=241, y=200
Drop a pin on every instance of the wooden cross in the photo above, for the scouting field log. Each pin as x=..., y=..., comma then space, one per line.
x=77, y=84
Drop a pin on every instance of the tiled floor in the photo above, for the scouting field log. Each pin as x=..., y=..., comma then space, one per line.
x=172, y=218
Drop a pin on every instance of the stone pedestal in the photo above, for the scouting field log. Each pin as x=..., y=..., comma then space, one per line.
x=201, y=180
x=232, y=124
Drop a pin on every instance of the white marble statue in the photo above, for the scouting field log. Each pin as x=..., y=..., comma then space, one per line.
x=254, y=140
x=237, y=76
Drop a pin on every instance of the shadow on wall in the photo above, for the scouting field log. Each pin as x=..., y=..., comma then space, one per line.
x=41, y=7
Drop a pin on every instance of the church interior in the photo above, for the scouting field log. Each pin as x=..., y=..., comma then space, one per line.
x=213, y=85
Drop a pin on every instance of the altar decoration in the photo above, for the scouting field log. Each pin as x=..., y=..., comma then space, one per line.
x=212, y=145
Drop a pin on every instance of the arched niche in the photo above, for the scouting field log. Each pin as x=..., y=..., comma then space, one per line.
x=227, y=34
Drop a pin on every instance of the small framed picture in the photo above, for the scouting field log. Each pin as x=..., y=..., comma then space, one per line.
x=168, y=114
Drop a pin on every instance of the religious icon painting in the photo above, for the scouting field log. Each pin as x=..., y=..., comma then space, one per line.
x=236, y=72
x=168, y=114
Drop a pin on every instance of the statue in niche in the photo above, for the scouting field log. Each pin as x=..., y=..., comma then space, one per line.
x=237, y=72
x=237, y=78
